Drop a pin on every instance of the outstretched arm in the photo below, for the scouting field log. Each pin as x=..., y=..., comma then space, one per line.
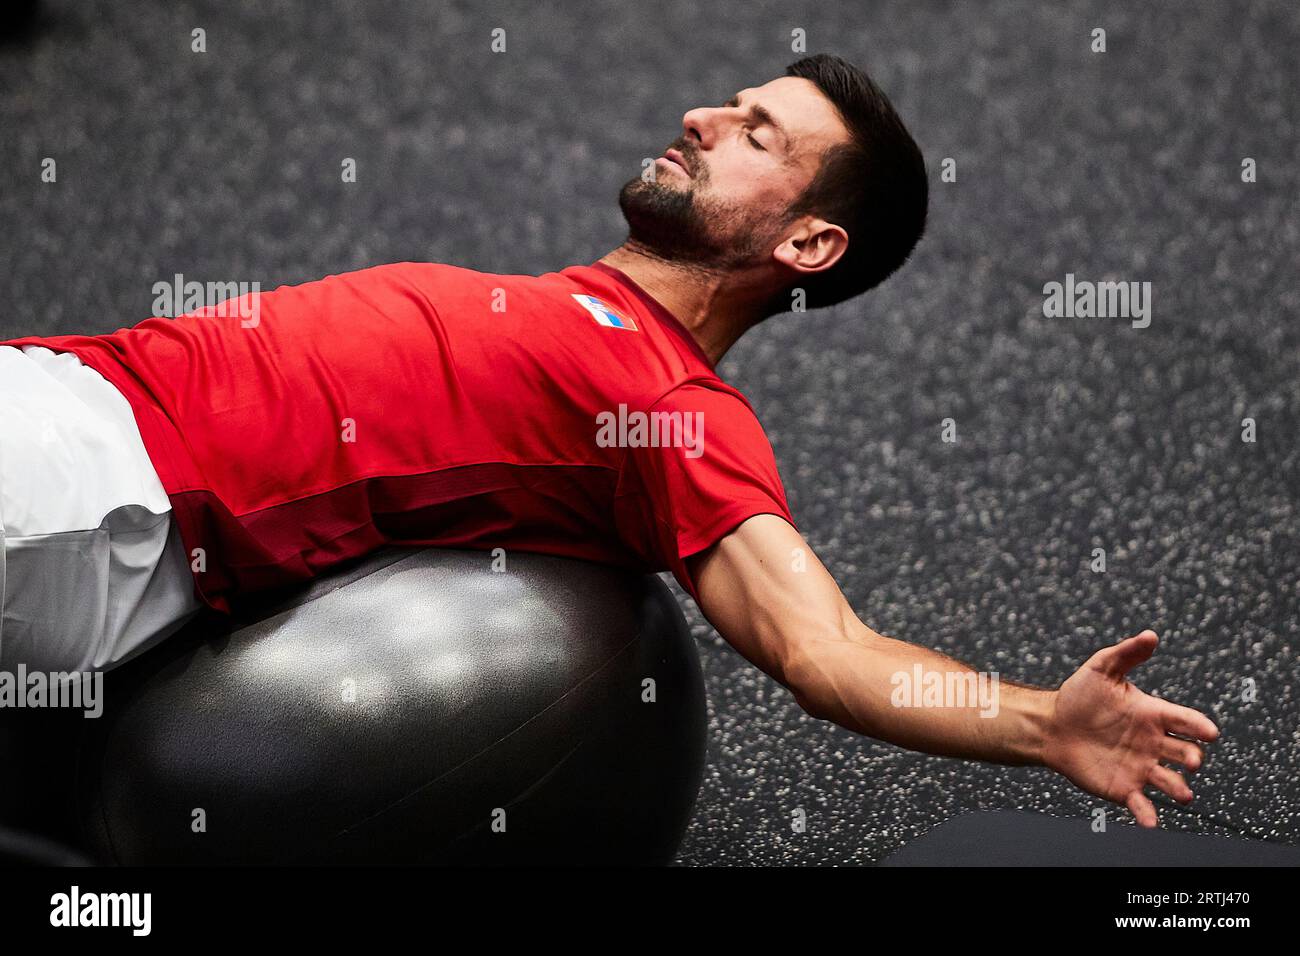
x=770, y=598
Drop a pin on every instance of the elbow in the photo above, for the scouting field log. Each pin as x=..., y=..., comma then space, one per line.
x=804, y=671
x=822, y=671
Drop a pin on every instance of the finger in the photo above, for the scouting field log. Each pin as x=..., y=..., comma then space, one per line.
x=1144, y=812
x=1119, y=659
x=1182, y=752
x=1170, y=782
x=1188, y=723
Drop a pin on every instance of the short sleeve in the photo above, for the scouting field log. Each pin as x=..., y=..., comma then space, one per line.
x=714, y=470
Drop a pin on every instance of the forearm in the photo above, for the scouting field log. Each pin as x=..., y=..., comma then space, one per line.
x=869, y=684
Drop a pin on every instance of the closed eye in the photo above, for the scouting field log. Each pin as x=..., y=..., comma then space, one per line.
x=756, y=112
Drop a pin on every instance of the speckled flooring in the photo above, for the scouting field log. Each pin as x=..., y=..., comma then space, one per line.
x=1074, y=434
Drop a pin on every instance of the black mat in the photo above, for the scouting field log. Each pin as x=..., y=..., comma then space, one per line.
x=1008, y=838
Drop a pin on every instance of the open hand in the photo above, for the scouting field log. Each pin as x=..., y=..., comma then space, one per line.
x=1110, y=739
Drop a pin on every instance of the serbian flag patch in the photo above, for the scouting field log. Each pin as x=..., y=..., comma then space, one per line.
x=604, y=314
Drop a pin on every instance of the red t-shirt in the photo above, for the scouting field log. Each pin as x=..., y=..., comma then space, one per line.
x=425, y=404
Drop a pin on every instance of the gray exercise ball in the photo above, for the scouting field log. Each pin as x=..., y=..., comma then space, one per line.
x=419, y=707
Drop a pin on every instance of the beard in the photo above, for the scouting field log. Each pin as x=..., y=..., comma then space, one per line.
x=683, y=225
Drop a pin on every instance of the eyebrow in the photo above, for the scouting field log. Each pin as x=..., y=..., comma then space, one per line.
x=759, y=114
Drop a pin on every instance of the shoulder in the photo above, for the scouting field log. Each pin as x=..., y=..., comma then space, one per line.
x=712, y=398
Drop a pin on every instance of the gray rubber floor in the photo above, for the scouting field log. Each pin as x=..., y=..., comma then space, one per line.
x=1074, y=434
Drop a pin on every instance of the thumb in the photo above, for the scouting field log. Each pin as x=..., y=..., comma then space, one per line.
x=1117, y=660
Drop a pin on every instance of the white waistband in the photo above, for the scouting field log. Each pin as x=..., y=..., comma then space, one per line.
x=70, y=449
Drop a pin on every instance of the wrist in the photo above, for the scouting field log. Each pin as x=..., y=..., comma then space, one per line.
x=1038, y=719
x=1046, y=729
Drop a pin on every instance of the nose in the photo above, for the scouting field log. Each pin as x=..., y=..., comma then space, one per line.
x=701, y=124
x=692, y=123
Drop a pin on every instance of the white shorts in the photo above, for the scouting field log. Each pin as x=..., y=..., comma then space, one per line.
x=92, y=569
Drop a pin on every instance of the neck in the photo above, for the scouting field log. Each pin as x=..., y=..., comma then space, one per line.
x=705, y=302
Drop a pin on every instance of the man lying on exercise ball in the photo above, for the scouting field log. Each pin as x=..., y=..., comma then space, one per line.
x=575, y=413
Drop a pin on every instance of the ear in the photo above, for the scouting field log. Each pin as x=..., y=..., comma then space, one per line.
x=814, y=246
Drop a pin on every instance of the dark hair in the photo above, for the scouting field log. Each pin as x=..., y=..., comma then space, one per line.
x=874, y=186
